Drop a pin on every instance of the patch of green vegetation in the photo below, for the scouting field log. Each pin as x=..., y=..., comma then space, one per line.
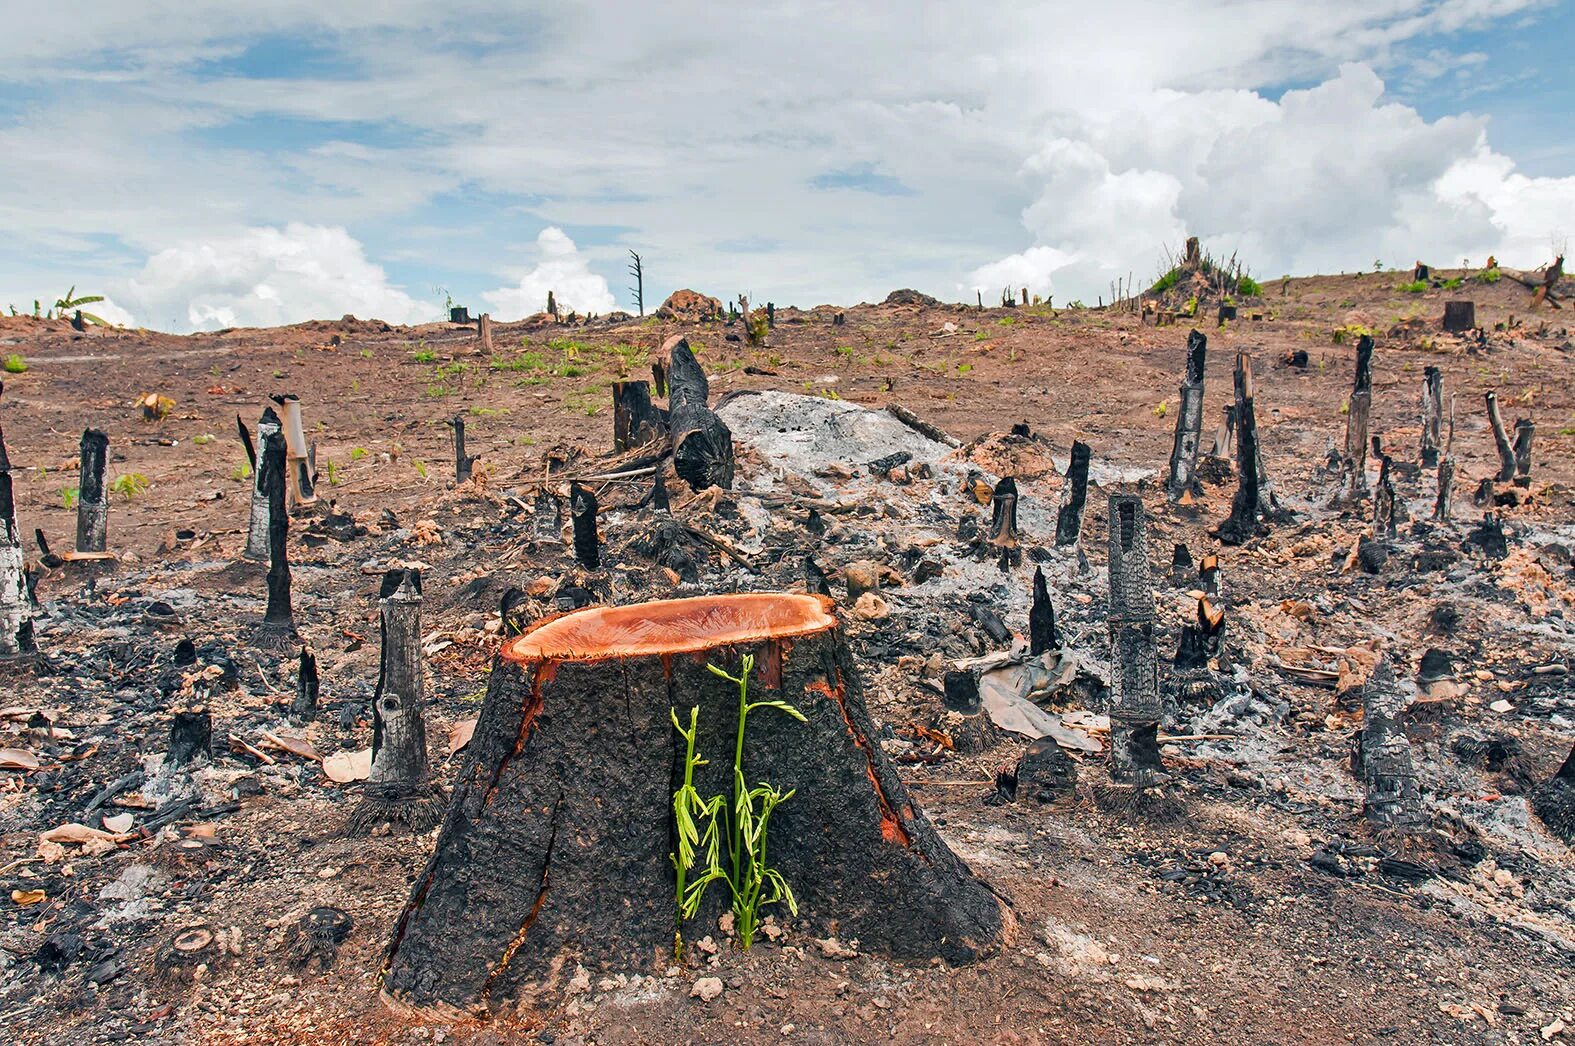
x=964, y=368
x=243, y=471
x=843, y=350
x=488, y=412
x=438, y=390
x=424, y=356
x=1166, y=281
x=1007, y=321
x=1248, y=287
x=204, y=439
x=1453, y=284
x=1415, y=287
x=420, y=467
x=1489, y=276
x=1350, y=332
x=14, y=364
x=129, y=484
x=69, y=495
x=331, y=471
x=357, y=453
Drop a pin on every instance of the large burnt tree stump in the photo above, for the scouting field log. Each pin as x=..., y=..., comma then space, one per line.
x=16, y=605
x=555, y=848
x=92, y=507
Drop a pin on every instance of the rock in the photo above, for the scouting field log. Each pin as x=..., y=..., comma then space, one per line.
x=689, y=306
x=870, y=607
x=861, y=576
x=909, y=296
x=832, y=948
x=706, y=989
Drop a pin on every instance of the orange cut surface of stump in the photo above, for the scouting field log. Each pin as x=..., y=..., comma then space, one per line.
x=672, y=626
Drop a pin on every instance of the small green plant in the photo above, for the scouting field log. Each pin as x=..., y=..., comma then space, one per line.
x=71, y=302
x=1248, y=287
x=420, y=467
x=129, y=484
x=243, y=471
x=331, y=471
x=204, y=439
x=1162, y=408
x=1167, y=281
x=68, y=496
x=357, y=453
x=964, y=368
x=424, y=356
x=1453, y=283
x=14, y=364
x=751, y=881
x=1489, y=276
x=1415, y=287
x=689, y=812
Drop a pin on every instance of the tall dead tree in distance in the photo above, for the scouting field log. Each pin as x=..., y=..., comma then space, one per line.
x=1181, y=482
x=16, y=604
x=1243, y=522
x=1074, y=496
x=1432, y=415
x=257, y=525
x=92, y=506
x=278, y=625
x=1506, y=452
x=637, y=270
x=1358, y=411
x=399, y=788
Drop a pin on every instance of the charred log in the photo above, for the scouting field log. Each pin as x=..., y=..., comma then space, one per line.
x=399, y=788
x=191, y=736
x=1383, y=757
x=551, y=849
x=1554, y=802
x=582, y=510
x=636, y=420
x=1074, y=496
x=92, y=507
x=1181, y=482
x=702, y=444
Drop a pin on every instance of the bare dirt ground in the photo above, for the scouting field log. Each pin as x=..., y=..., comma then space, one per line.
x=1255, y=916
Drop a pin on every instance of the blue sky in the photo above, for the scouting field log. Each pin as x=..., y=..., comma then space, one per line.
x=208, y=162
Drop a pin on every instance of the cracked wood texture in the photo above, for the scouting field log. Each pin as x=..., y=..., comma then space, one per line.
x=554, y=851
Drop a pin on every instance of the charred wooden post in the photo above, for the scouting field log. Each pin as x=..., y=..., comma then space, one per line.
x=1134, y=669
x=1432, y=415
x=299, y=455
x=484, y=332
x=1358, y=412
x=1003, y=522
x=1243, y=522
x=399, y=788
x=307, y=687
x=1209, y=575
x=1042, y=634
x=702, y=444
x=1202, y=639
x=1525, y=429
x=191, y=736
x=464, y=464
x=1385, y=505
x=1181, y=482
x=1394, y=797
x=553, y=853
x=1074, y=496
x=278, y=624
x=1182, y=567
x=92, y=506
x=659, y=491
x=16, y=604
x=1459, y=316
x=815, y=580
x=257, y=526
x=1506, y=451
x=582, y=510
x=636, y=421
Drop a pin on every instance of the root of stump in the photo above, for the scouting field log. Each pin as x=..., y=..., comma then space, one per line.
x=1136, y=801
x=419, y=813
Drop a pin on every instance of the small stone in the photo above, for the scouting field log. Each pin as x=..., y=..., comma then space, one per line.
x=871, y=607
x=861, y=576
x=832, y=948
x=706, y=989
x=1219, y=859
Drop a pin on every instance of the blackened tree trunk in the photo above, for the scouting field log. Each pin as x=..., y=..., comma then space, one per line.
x=298, y=454
x=702, y=444
x=307, y=686
x=1358, y=411
x=1042, y=634
x=1243, y=522
x=257, y=527
x=582, y=511
x=1134, y=661
x=1386, y=506
x=399, y=788
x=1506, y=452
x=1432, y=415
x=278, y=625
x=555, y=849
x=1003, y=522
x=464, y=464
x=16, y=605
x=636, y=420
x=1181, y=482
x=92, y=509
x=1383, y=756
x=1074, y=496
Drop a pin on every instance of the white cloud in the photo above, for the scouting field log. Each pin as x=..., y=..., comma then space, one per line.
x=263, y=277
x=563, y=271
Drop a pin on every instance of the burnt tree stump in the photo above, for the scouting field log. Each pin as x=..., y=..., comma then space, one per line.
x=1074, y=496
x=257, y=525
x=636, y=420
x=92, y=509
x=1506, y=451
x=16, y=604
x=555, y=848
x=1432, y=415
x=278, y=624
x=702, y=444
x=1459, y=316
x=1244, y=523
x=1181, y=482
x=464, y=464
x=1358, y=411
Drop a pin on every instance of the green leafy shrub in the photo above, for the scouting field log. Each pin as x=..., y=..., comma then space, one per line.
x=14, y=364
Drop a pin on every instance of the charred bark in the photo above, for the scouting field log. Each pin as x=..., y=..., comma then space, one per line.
x=1554, y=801
x=1243, y=524
x=553, y=850
x=1432, y=415
x=1525, y=429
x=1042, y=634
x=1506, y=452
x=546, y=516
x=1442, y=505
x=1074, y=496
x=1394, y=798
x=191, y=736
x=92, y=507
x=1459, y=316
x=1202, y=639
x=702, y=444
x=257, y=524
x=582, y=510
x=464, y=464
x=399, y=788
x=278, y=624
x=1003, y=522
x=307, y=687
x=1386, y=507
x=1134, y=665
x=1358, y=412
x=636, y=420
x=1181, y=483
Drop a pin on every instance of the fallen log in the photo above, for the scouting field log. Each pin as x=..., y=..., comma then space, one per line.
x=556, y=849
x=702, y=443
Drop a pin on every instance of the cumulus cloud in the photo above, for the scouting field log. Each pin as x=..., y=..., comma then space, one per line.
x=263, y=277
x=561, y=270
